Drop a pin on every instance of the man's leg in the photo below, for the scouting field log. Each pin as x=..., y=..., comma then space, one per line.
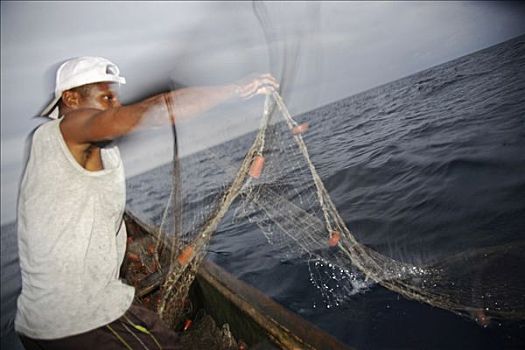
x=138, y=328
x=159, y=332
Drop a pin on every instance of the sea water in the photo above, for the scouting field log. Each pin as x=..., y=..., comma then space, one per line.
x=421, y=168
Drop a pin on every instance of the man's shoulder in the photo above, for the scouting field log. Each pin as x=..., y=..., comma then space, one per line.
x=46, y=126
x=43, y=132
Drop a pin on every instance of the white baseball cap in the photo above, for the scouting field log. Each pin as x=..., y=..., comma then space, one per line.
x=81, y=71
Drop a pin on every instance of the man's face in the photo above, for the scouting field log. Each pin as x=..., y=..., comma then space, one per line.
x=100, y=96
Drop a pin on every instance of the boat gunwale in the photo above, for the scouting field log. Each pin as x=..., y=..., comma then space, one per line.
x=281, y=326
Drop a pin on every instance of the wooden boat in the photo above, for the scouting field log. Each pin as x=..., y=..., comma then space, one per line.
x=252, y=316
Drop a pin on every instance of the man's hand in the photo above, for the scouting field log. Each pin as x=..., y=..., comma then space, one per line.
x=263, y=84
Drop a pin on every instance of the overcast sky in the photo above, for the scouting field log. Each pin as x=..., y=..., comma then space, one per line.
x=344, y=48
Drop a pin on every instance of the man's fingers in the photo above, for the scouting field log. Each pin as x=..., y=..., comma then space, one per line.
x=269, y=79
x=265, y=90
x=258, y=90
x=263, y=84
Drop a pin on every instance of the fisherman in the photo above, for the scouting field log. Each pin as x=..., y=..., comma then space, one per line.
x=71, y=234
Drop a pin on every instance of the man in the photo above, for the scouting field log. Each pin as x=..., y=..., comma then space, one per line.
x=72, y=197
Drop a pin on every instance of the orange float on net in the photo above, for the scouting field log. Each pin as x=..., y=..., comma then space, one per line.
x=334, y=238
x=187, y=325
x=481, y=318
x=134, y=257
x=300, y=129
x=256, y=167
x=151, y=249
x=185, y=255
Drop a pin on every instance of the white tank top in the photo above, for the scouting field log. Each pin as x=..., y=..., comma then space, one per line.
x=71, y=240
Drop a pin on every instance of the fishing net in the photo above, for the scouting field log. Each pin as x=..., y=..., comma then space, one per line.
x=264, y=179
x=267, y=178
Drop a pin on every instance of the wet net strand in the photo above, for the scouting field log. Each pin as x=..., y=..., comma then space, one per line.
x=279, y=189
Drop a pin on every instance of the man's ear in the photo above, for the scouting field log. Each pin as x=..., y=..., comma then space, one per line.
x=71, y=98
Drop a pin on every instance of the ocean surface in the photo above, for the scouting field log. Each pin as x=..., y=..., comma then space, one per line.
x=426, y=166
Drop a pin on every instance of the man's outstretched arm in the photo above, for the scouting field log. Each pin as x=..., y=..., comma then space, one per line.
x=89, y=125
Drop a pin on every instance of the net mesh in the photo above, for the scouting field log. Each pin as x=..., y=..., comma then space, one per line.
x=276, y=186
